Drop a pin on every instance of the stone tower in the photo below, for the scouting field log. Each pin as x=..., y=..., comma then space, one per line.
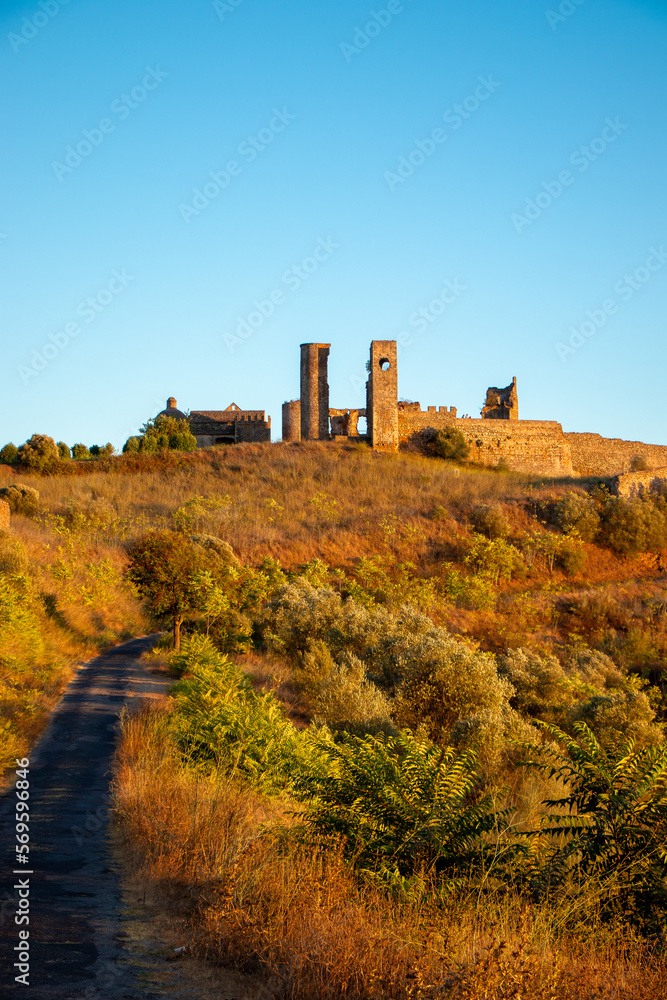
x=315, y=392
x=292, y=420
x=501, y=404
x=382, y=395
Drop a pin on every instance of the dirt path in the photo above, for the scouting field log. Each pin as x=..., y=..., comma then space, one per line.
x=85, y=942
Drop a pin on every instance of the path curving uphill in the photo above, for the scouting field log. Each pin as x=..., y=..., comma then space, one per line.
x=76, y=912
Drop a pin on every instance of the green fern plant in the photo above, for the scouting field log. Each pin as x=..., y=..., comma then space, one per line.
x=610, y=822
x=402, y=804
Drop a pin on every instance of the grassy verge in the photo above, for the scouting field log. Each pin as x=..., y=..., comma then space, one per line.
x=62, y=600
x=255, y=896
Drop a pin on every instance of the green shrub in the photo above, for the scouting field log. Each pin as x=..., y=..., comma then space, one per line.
x=636, y=525
x=489, y=520
x=542, y=690
x=222, y=721
x=80, y=452
x=184, y=441
x=63, y=451
x=340, y=694
x=148, y=444
x=605, y=841
x=639, y=464
x=576, y=514
x=450, y=444
x=9, y=455
x=447, y=683
x=39, y=454
x=402, y=806
x=497, y=559
x=571, y=556
x=131, y=446
x=21, y=499
x=474, y=592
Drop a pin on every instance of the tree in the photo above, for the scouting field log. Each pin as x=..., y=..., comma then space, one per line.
x=164, y=433
x=165, y=568
x=63, y=451
x=39, y=454
x=450, y=444
x=103, y=451
x=9, y=455
x=80, y=452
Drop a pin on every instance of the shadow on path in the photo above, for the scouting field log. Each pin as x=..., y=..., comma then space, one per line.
x=76, y=948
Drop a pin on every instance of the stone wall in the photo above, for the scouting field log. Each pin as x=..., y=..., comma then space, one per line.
x=593, y=455
x=315, y=392
x=253, y=431
x=537, y=446
x=292, y=420
x=5, y=516
x=382, y=395
x=636, y=484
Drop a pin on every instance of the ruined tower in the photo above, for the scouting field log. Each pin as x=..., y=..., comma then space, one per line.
x=292, y=420
x=382, y=395
x=315, y=392
x=501, y=404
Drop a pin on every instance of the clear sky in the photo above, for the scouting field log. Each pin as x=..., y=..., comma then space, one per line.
x=192, y=189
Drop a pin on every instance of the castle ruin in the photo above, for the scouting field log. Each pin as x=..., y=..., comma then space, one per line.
x=497, y=438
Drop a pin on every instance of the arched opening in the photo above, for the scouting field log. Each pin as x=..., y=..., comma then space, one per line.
x=362, y=426
x=385, y=364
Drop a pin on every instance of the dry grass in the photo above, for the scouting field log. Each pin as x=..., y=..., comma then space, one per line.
x=358, y=490
x=339, y=503
x=256, y=898
x=75, y=604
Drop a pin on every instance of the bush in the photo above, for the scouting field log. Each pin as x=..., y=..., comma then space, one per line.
x=639, y=464
x=103, y=451
x=489, y=520
x=450, y=444
x=9, y=455
x=571, y=556
x=164, y=433
x=636, y=525
x=39, y=454
x=80, y=452
x=401, y=805
x=542, y=689
x=340, y=694
x=450, y=683
x=132, y=446
x=21, y=499
x=497, y=559
x=577, y=515
x=63, y=451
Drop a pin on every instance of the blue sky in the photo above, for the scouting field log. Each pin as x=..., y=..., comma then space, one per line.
x=365, y=155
